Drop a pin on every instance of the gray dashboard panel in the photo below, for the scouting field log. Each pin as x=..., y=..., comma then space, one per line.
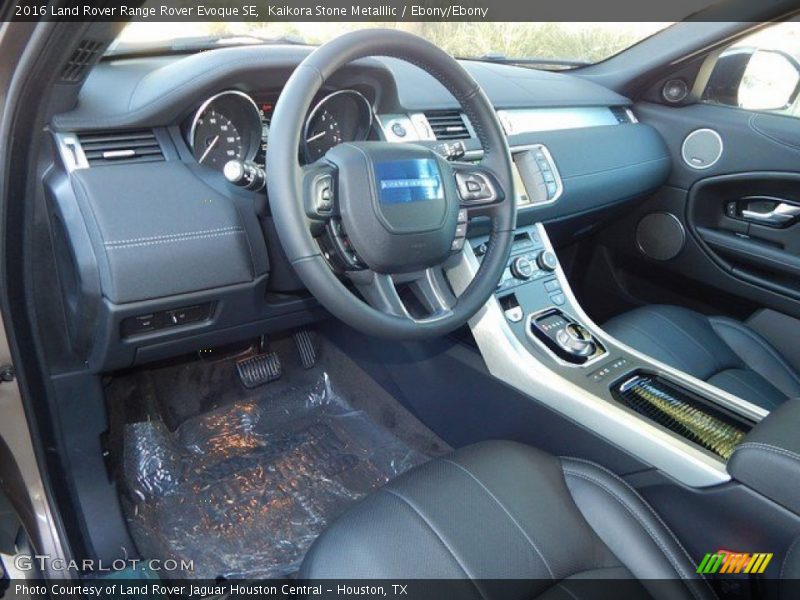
x=506, y=86
x=158, y=91
x=599, y=166
x=161, y=91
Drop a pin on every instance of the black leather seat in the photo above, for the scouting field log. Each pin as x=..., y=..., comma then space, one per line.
x=721, y=351
x=501, y=510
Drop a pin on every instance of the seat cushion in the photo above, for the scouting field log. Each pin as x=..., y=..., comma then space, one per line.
x=505, y=511
x=721, y=351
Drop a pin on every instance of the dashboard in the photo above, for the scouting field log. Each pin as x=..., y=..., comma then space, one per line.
x=158, y=253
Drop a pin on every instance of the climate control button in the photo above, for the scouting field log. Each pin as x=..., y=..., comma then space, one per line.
x=547, y=261
x=521, y=268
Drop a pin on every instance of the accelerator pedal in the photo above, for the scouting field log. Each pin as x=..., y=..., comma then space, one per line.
x=259, y=369
x=306, y=348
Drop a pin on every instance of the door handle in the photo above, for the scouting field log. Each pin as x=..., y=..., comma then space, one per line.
x=780, y=214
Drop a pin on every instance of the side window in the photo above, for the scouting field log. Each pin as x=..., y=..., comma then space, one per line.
x=760, y=72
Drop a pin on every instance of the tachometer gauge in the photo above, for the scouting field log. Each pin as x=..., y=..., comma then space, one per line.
x=343, y=116
x=323, y=135
x=225, y=127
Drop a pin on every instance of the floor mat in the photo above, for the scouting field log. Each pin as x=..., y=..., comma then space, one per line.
x=243, y=490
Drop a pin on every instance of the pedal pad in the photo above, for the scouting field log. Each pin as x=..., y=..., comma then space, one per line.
x=259, y=369
x=306, y=348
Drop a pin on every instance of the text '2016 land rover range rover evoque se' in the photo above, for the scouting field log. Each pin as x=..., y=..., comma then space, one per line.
x=511, y=309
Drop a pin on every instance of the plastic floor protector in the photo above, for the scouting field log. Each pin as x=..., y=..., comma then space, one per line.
x=243, y=490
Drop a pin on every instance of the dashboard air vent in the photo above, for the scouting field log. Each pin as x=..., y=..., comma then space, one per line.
x=80, y=61
x=120, y=147
x=447, y=125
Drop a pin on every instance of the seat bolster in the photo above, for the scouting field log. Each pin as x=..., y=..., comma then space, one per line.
x=758, y=355
x=633, y=531
x=749, y=385
x=676, y=336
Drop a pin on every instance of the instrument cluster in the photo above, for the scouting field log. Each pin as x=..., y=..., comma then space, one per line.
x=234, y=126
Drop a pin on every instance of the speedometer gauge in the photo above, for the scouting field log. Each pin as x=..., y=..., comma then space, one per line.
x=343, y=116
x=225, y=127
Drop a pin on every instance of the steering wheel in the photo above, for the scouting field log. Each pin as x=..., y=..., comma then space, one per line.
x=380, y=214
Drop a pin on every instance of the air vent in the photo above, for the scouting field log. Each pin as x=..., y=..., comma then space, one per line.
x=447, y=125
x=120, y=147
x=80, y=61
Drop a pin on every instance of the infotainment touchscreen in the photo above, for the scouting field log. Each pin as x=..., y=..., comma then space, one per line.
x=523, y=199
x=410, y=180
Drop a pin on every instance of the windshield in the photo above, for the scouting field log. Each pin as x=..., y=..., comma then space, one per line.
x=563, y=44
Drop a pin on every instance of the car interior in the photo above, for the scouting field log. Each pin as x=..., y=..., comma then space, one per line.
x=364, y=310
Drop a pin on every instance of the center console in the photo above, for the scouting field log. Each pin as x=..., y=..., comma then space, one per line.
x=535, y=336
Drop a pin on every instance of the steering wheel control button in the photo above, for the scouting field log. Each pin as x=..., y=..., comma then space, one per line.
x=323, y=194
x=475, y=188
x=547, y=261
x=463, y=215
x=558, y=299
x=521, y=268
x=457, y=244
x=343, y=249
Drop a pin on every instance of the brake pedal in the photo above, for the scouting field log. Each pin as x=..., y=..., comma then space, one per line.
x=306, y=348
x=259, y=369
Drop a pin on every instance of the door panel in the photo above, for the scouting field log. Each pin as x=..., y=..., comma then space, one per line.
x=748, y=224
x=741, y=214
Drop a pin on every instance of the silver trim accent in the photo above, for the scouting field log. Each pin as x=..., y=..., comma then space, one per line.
x=207, y=102
x=784, y=212
x=510, y=361
x=710, y=164
x=385, y=123
x=734, y=403
x=319, y=105
x=71, y=152
x=112, y=154
x=534, y=120
x=422, y=127
x=553, y=167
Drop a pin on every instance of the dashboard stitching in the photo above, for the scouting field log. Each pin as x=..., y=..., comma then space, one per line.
x=174, y=240
x=172, y=235
x=616, y=169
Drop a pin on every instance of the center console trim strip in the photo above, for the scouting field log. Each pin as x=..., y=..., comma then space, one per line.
x=509, y=360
